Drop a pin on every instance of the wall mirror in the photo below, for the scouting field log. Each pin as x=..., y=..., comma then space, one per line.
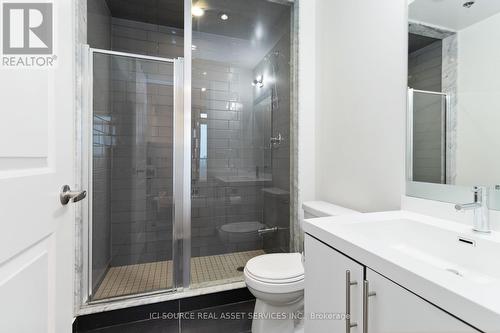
x=453, y=136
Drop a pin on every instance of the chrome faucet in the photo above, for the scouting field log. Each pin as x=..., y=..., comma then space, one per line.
x=481, y=218
x=267, y=230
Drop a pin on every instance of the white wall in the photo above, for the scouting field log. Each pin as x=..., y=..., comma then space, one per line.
x=307, y=99
x=478, y=115
x=361, y=64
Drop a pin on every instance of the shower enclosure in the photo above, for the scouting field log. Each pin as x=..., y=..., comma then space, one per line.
x=187, y=143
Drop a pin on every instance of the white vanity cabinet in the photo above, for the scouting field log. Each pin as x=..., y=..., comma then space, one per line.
x=327, y=290
x=394, y=309
x=391, y=309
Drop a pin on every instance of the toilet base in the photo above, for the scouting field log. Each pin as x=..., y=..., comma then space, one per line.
x=268, y=318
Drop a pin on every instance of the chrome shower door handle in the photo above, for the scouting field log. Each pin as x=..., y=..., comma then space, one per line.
x=67, y=195
x=348, y=285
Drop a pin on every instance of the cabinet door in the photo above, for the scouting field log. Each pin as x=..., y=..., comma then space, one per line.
x=326, y=290
x=394, y=309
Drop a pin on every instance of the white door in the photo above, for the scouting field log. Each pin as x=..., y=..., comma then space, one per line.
x=394, y=309
x=37, y=135
x=327, y=290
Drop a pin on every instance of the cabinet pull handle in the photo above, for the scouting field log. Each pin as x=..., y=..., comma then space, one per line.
x=366, y=293
x=348, y=284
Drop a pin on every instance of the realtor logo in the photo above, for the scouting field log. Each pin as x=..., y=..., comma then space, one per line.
x=27, y=34
x=27, y=28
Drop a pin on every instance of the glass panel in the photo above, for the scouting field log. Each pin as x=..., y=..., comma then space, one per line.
x=241, y=125
x=132, y=210
x=429, y=153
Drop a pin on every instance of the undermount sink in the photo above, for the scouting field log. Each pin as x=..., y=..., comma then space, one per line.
x=446, y=262
x=454, y=250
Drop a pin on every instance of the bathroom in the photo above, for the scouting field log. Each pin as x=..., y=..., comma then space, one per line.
x=278, y=166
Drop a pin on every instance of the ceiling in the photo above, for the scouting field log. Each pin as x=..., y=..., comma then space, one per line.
x=451, y=14
x=247, y=19
x=161, y=12
x=251, y=30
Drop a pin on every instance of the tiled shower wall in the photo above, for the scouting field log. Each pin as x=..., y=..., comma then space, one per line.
x=142, y=171
x=223, y=93
x=141, y=204
x=141, y=228
x=276, y=98
x=227, y=101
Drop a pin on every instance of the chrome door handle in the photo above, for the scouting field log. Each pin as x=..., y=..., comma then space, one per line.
x=348, y=285
x=366, y=293
x=74, y=196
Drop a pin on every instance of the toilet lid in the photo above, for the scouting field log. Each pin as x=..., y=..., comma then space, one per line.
x=276, y=267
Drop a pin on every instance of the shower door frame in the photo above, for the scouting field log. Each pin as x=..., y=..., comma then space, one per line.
x=445, y=110
x=179, y=241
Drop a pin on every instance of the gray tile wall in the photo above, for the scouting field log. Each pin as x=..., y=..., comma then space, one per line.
x=133, y=159
x=424, y=67
x=98, y=25
x=142, y=168
x=142, y=215
x=143, y=108
x=145, y=38
x=277, y=201
x=223, y=93
x=239, y=118
x=237, y=144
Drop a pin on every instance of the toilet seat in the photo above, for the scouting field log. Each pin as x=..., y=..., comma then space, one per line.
x=275, y=273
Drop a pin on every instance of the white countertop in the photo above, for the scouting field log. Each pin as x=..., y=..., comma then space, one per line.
x=413, y=250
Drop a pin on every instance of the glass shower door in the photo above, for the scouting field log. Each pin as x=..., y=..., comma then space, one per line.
x=240, y=112
x=131, y=211
x=428, y=130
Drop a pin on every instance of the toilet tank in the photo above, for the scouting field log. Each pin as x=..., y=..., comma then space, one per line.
x=314, y=209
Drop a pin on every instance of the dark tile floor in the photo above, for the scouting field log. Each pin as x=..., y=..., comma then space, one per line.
x=229, y=318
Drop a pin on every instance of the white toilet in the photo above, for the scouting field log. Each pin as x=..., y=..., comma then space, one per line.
x=277, y=282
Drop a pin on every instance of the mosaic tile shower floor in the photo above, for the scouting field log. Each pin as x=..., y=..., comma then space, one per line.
x=141, y=278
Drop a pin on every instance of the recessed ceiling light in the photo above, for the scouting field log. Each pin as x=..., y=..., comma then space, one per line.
x=203, y=89
x=468, y=4
x=197, y=11
x=224, y=16
x=204, y=73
